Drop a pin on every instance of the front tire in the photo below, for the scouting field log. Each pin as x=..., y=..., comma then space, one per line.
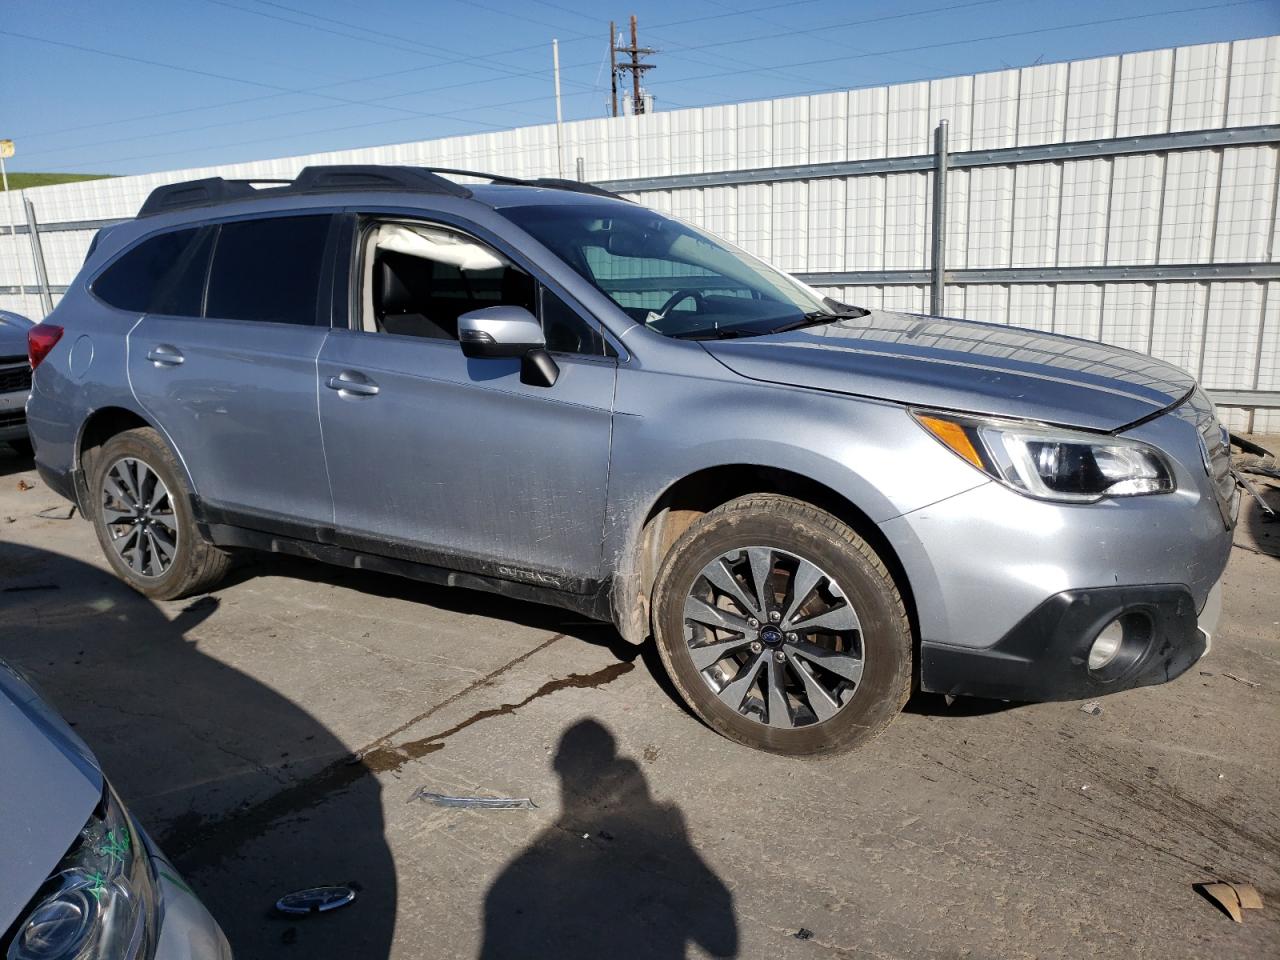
x=782, y=628
x=141, y=511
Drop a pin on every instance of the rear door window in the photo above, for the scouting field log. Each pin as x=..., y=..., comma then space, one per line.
x=268, y=270
x=166, y=271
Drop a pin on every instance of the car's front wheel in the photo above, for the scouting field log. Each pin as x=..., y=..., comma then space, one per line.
x=782, y=628
x=141, y=511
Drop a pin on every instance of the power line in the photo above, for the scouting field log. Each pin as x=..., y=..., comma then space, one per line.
x=303, y=133
x=316, y=90
x=217, y=76
x=275, y=96
x=964, y=42
x=818, y=61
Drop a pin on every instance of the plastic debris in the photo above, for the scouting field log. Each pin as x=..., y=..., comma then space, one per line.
x=1093, y=708
x=316, y=899
x=803, y=933
x=1233, y=898
x=24, y=486
x=473, y=803
x=1248, y=683
x=1250, y=489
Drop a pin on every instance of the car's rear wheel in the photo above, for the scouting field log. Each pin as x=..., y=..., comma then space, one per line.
x=141, y=511
x=782, y=628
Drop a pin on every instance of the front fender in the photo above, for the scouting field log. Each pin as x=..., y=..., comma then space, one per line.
x=670, y=427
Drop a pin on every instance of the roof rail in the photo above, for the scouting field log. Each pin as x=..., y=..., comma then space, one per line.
x=194, y=193
x=549, y=183
x=323, y=179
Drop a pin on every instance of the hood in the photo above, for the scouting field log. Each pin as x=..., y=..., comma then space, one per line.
x=964, y=366
x=13, y=334
x=49, y=787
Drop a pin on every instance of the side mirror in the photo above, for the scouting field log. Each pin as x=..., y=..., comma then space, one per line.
x=507, y=331
x=499, y=332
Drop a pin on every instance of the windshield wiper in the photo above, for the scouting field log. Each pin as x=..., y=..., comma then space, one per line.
x=816, y=317
x=729, y=333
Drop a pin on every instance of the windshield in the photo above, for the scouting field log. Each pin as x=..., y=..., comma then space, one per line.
x=671, y=276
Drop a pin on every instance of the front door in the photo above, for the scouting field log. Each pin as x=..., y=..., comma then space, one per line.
x=453, y=459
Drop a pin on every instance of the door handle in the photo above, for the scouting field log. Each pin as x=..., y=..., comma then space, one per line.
x=350, y=383
x=165, y=355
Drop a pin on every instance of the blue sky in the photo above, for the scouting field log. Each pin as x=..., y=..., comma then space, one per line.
x=144, y=85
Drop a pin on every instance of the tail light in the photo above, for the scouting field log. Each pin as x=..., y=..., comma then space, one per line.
x=40, y=340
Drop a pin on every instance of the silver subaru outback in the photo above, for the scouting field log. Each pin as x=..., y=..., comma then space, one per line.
x=540, y=389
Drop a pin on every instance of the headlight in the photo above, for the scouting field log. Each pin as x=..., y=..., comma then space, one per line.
x=1049, y=463
x=100, y=902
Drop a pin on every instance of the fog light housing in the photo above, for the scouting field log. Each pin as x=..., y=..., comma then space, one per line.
x=1119, y=645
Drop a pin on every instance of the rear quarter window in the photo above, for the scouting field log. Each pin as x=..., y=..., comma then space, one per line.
x=268, y=270
x=165, y=271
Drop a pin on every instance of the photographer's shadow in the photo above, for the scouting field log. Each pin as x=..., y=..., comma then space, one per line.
x=245, y=790
x=615, y=876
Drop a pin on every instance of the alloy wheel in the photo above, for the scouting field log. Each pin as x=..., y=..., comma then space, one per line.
x=774, y=636
x=138, y=512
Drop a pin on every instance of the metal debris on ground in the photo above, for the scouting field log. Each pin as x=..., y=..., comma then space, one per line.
x=803, y=934
x=1093, y=708
x=316, y=900
x=1247, y=683
x=473, y=803
x=1233, y=898
x=63, y=511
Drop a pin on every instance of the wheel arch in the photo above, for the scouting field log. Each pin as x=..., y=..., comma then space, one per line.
x=693, y=495
x=103, y=424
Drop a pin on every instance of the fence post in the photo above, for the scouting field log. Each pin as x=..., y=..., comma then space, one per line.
x=37, y=254
x=582, y=170
x=938, y=296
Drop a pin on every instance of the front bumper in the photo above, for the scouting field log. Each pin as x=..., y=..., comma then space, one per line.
x=1045, y=657
x=1010, y=592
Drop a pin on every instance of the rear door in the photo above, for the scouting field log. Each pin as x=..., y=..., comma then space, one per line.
x=456, y=461
x=227, y=368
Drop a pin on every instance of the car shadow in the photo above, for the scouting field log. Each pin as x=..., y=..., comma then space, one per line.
x=615, y=876
x=461, y=600
x=201, y=752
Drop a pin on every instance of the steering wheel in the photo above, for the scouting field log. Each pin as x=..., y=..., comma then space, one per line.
x=680, y=296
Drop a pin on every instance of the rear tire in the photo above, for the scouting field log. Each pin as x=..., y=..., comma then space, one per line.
x=832, y=666
x=141, y=511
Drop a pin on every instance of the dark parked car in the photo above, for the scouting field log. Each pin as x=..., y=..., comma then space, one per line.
x=15, y=380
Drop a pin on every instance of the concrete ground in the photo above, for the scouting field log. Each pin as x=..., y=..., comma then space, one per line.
x=234, y=726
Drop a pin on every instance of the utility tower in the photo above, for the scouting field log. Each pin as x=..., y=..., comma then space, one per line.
x=632, y=64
